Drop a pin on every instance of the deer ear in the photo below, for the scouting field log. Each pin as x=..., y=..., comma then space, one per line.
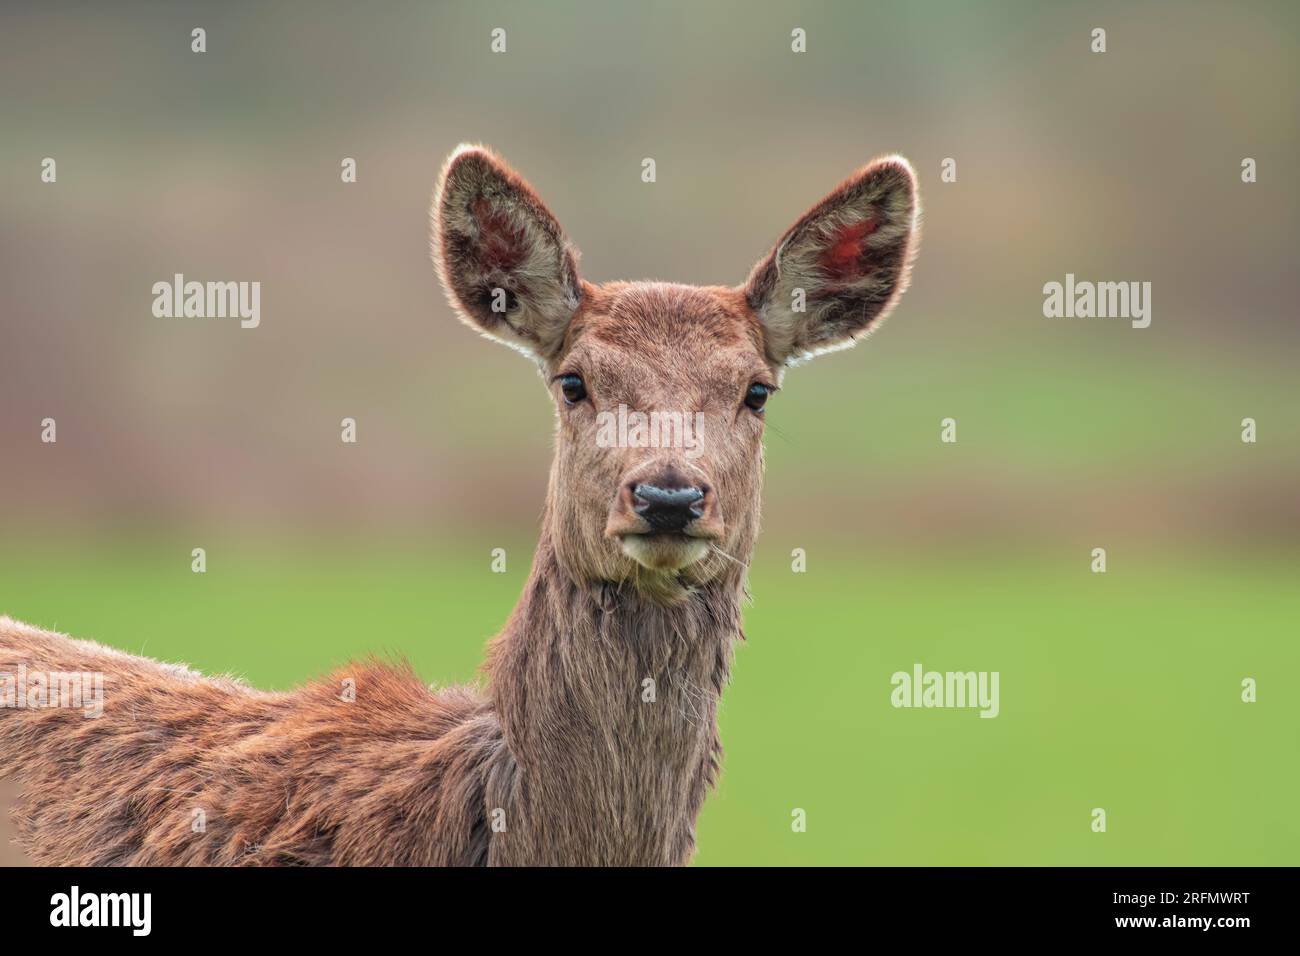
x=838, y=271
x=505, y=264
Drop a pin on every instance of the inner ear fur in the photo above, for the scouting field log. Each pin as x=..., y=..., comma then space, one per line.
x=851, y=256
x=490, y=232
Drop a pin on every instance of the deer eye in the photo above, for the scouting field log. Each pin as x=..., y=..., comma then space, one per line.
x=756, y=397
x=573, y=389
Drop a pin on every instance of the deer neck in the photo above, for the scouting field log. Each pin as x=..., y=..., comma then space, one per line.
x=608, y=705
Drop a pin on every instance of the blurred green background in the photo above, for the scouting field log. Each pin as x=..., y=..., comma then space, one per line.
x=1119, y=690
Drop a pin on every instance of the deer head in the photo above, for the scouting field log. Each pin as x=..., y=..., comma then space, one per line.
x=660, y=389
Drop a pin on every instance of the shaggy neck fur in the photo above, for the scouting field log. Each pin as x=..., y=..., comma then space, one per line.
x=610, y=769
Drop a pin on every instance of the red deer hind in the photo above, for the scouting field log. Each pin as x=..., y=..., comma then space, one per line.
x=593, y=739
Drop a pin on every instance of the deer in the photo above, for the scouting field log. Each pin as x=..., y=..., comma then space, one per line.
x=591, y=736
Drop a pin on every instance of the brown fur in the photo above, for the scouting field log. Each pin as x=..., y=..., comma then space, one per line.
x=562, y=757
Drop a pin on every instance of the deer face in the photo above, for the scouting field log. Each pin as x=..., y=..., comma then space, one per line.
x=660, y=390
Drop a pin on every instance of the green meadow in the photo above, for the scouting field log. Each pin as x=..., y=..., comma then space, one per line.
x=1119, y=691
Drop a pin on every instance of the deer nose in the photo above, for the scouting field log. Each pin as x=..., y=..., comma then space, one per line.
x=667, y=509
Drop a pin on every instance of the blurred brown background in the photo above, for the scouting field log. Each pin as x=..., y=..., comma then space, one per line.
x=225, y=166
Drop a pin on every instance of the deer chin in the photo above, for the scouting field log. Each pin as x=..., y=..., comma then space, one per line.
x=664, y=551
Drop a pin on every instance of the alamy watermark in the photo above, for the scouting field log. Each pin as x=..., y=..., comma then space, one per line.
x=37, y=690
x=1075, y=299
x=922, y=688
x=630, y=429
x=75, y=908
x=179, y=299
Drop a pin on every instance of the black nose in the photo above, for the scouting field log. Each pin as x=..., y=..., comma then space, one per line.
x=667, y=509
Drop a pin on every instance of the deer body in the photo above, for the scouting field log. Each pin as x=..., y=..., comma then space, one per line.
x=594, y=739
